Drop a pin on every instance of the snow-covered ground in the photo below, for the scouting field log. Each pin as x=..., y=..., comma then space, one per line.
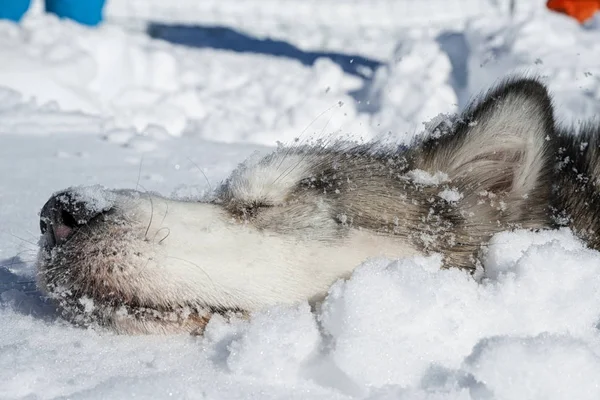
x=115, y=107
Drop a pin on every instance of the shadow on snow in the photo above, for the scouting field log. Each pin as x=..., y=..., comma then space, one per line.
x=224, y=38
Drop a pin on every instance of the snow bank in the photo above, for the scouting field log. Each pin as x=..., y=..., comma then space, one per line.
x=332, y=12
x=320, y=25
x=131, y=82
x=392, y=323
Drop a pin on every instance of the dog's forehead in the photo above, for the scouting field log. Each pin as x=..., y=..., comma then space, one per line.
x=268, y=180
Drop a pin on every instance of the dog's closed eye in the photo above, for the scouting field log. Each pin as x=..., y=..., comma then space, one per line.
x=247, y=210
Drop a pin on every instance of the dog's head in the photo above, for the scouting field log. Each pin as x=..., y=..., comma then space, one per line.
x=282, y=228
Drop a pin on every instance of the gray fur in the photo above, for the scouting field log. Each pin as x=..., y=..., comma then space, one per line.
x=500, y=165
x=498, y=155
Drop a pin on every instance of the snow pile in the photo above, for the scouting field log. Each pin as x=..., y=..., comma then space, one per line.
x=273, y=337
x=369, y=13
x=414, y=86
x=401, y=323
x=132, y=83
x=320, y=25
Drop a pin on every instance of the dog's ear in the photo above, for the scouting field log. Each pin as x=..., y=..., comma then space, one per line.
x=500, y=143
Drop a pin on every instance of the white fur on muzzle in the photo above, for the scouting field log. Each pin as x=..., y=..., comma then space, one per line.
x=141, y=263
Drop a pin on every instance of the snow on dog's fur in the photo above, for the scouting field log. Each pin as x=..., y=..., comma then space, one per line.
x=283, y=228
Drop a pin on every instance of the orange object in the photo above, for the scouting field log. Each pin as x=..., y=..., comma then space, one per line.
x=581, y=10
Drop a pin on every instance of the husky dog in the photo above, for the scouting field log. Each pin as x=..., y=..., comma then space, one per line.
x=283, y=228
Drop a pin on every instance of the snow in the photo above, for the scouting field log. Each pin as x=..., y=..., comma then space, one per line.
x=96, y=198
x=450, y=195
x=114, y=107
x=427, y=179
x=394, y=322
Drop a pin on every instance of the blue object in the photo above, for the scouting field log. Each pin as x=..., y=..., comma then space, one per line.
x=13, y=9
x=87, y=12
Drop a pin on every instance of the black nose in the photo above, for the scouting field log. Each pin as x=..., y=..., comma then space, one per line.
x=63, y=213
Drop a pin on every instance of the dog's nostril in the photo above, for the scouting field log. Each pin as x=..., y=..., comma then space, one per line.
x=69, y=220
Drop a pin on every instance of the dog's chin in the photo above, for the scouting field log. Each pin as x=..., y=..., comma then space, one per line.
x=98, y=294
x=142, y=320
x=123, y=314
x=120, y=316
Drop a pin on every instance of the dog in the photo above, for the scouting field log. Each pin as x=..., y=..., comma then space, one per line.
x=281, y=229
